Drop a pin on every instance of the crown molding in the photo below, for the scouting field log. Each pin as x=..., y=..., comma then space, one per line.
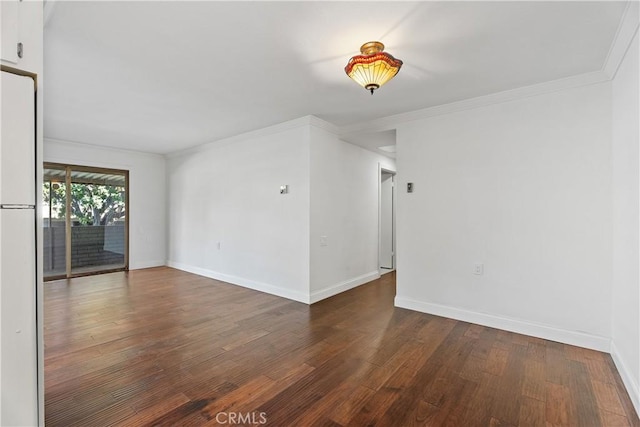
x=99, y=147
x=324, y=125
x=304, y=121
x=392, y=122
x=622, y=40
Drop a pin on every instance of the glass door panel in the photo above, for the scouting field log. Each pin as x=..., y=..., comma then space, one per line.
x=53, y=212
x=98, y=216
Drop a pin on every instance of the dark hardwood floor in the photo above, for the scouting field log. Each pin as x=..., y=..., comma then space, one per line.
x=165, y=347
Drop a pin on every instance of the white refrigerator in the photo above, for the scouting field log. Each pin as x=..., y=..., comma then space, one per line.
x=18, y=343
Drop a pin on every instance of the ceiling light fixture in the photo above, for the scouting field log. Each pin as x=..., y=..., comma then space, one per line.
x=374, y=67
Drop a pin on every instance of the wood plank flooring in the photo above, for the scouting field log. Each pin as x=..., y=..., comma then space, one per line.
x=168, y=348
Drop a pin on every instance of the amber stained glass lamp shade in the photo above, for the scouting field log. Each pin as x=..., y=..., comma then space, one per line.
x=374, y=67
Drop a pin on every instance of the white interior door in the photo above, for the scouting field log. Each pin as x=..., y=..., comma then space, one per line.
x=386, y=222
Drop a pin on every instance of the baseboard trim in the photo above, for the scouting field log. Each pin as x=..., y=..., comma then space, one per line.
x=633, y=389
x=342, y=286
x=147, y=264
x=241, y=281
x=508, y=324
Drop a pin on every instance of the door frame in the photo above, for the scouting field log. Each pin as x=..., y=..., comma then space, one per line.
x=382, y=170
x=81, y=168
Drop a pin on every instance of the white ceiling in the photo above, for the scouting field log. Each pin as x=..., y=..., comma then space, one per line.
x=163, y=76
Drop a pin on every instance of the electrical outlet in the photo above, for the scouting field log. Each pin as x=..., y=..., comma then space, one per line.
x=323, y=241
x=219, y=245
x=478, y=268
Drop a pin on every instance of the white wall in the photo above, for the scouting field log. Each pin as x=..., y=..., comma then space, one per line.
x=147, y=194
x=345, y=185
x=229, y=192
x=626, y=216
x=525, y=188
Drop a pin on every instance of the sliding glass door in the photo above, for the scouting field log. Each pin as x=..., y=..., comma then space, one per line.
x=85, y=220
x=54, y=198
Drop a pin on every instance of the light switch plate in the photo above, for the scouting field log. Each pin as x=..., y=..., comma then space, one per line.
x=478, y=268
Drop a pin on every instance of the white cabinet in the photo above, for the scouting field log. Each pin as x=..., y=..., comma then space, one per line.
x=21, y=358
x=18, y=278
x=9, y=11
x=17, y=142
x=22, y=23
x=19, y=379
